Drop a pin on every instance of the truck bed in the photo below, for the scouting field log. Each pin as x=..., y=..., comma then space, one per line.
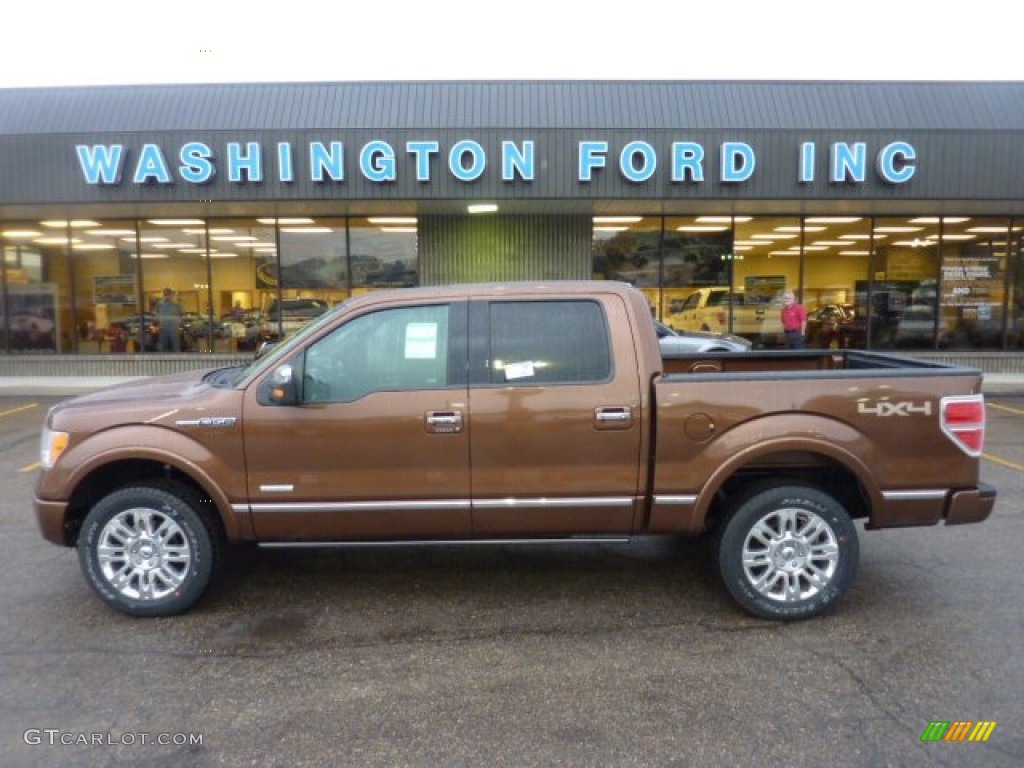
x=780, y=362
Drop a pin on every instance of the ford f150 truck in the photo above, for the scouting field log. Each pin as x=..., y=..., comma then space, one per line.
x=511, y=412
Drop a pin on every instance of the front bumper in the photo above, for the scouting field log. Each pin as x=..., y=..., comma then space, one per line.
x=52, y=519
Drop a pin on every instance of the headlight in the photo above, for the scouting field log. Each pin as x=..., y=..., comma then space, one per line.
x=51, y=446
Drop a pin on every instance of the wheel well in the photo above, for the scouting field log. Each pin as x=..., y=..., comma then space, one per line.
x=813, y=470
x=119, y=474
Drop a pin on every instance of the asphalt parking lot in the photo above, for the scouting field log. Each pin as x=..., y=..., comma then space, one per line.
x=595, y=655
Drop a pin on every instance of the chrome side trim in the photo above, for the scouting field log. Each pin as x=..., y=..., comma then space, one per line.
x=580, y=501
x=444, y=542
x=386, y=506
x=930, y=495
x=687, y=499
x=359, y=506
x=288, y=488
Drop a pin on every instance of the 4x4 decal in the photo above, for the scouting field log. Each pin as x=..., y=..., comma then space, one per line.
x=886, y=408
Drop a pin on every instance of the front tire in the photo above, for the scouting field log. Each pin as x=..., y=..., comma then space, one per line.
x=146, y=550
x=788, y=552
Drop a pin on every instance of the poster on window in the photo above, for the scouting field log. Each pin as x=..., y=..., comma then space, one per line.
x=972, y=281
x=31, y=314
x=114, y=289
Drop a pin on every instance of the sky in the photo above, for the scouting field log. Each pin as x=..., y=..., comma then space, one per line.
x=126, y=42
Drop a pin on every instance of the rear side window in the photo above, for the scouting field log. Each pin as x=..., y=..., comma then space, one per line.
x=549, y=342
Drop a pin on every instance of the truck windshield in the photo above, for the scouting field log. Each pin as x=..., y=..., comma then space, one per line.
x=228, y=378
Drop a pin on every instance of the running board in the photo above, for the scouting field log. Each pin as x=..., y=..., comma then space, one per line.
x=443, y=542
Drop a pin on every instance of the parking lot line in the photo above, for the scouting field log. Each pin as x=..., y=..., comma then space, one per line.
x=1004, y=462
x=19, y=409
x=1006, y=408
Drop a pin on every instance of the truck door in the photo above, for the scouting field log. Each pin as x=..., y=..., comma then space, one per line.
x=378, y=445
x=556, y=423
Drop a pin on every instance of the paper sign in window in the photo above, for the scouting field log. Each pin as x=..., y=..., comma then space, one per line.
x=421, y=341
x=515, y=371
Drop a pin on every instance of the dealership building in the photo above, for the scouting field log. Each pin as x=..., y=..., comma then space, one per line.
x=895, y=210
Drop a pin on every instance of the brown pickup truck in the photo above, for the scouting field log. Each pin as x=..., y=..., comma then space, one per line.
x=511, y=412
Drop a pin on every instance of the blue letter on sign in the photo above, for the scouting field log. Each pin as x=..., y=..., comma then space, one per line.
x=196, y=166
x=422, y=150
x=377, y=161
x=806, y=162
x=849, y=163
x=100, y=164
x=285, y=168
x=737, y=161
x=591, y=156
x=648, y=161
x=687, y=160
x=251, y=162
x=901, y=154
x=478, y=160
x=151, y=166
x=515, y=160
x=331, y=161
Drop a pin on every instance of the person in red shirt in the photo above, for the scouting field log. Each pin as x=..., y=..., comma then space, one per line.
x=794, y=321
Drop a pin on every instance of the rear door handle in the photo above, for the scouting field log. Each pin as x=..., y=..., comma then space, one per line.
x=443, y=422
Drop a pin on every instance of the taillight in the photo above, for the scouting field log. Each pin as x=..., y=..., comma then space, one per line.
x=963, y=420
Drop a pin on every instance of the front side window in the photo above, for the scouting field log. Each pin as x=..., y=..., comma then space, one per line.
x=394, y=349
x=549, y=342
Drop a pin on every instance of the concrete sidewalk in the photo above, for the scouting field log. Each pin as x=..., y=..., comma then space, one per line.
x=1001, y=384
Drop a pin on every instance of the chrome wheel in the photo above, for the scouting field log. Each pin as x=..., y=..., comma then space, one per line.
x=790, y=555
x=787, y=550
x=143, y=553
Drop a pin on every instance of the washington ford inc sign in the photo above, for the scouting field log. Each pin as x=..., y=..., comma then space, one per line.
x=466, y=160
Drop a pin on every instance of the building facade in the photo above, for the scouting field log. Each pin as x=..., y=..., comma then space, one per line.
x=894, y=210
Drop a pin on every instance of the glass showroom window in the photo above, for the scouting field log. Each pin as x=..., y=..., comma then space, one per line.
x=35, y=311
x=1015, y=336
x=627, y=248
x=901, y=301
x=176, y=289
x=314, y=259
x=837, y=265
x=383, y=253
x=103, y=274
x=697, y=256
x=973, y=282
x=766, y=261
x=237, y=250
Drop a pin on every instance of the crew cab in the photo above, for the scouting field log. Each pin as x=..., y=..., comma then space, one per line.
x=454, y=414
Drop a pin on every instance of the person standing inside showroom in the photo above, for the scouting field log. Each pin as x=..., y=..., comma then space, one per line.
x=794, y=321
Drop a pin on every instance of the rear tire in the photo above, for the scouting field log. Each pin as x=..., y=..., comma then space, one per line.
x=788, y=552
x=147, y=550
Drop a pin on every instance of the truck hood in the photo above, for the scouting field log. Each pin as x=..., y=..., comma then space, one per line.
x=170, y=387
x=156, y=400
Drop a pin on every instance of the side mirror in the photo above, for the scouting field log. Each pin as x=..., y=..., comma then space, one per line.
x=264, y=348
x=280, y=388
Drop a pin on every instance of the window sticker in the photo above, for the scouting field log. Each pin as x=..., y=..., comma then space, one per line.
x=421, y=341
x=522, y=370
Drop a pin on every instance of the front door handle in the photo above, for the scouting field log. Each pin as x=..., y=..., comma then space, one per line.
x=613, y=417
x=443, y=422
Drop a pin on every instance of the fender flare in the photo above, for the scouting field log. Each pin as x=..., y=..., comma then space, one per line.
x=160, y=445
x=804, y=443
